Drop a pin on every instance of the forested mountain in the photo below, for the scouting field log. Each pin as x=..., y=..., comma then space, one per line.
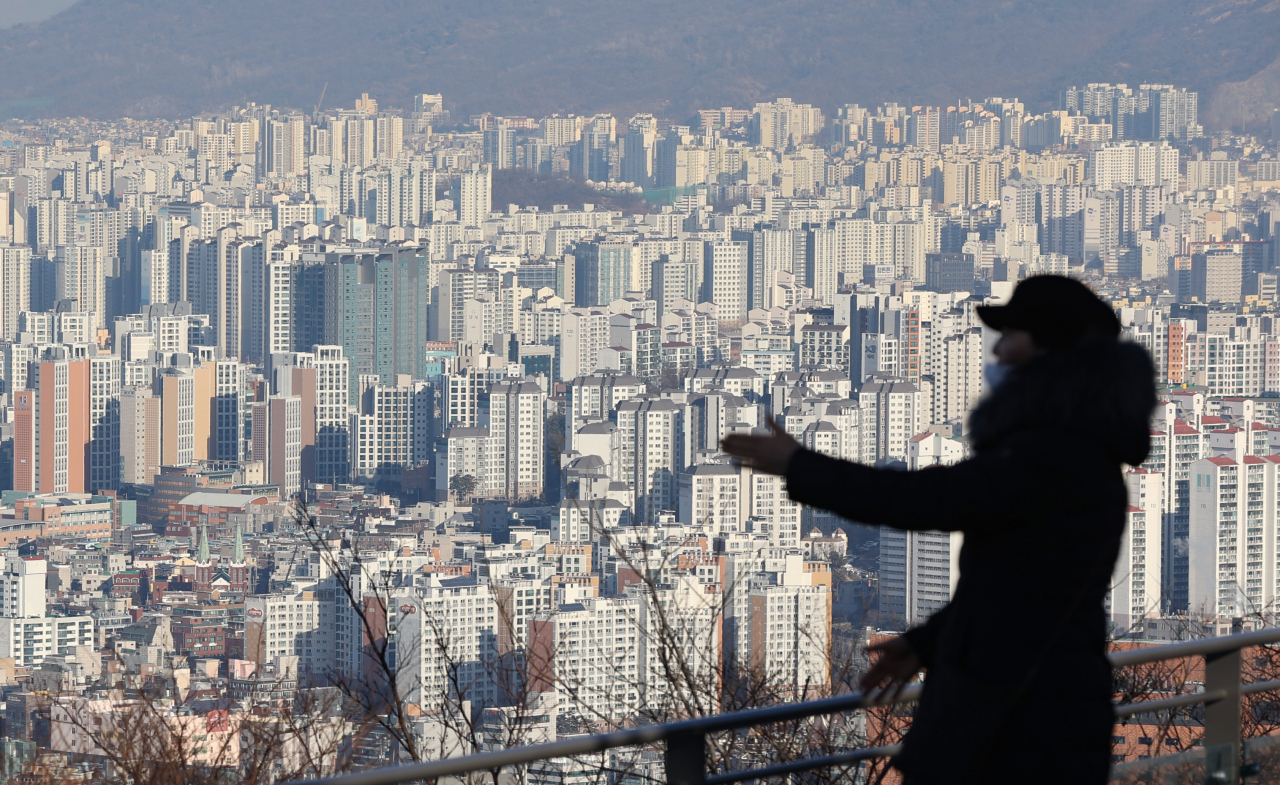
x=144, y=58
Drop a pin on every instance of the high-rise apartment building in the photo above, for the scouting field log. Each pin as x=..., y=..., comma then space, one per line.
x=104, y=421
x=1215, y=172
x=770, y=251
x=1062, y=218
x=81, y=275
x=516, y=419
x=789, y=626
x=286, y=146
x=558, y=131
x=602, y=271
x=782, y=123
x=376, y=309
x=475, y=194
x=637, y=159
x=1134, y=163
x=894, y=411
x=277, y=441
x=653, y=440
x=604, y=670
x=27, y=634
x=446, y=642
x=714, y=498
x=388, y=143
x=52, y=430
x=1231, y=569
x=15, y=287
x=1137, y=587
x=320, y=379
x=140, y=435
x=673, y=279
x=176, y=388
x=500, y=147
x=923, y=127
x=456, y=286
x=584, y=333
x=389, y=428
x=724, y=279
x=1217, y=276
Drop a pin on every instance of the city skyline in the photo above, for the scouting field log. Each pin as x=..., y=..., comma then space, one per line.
x=334, y=438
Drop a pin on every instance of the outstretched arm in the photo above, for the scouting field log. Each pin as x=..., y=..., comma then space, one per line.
x=974, y=494
x=765, y=453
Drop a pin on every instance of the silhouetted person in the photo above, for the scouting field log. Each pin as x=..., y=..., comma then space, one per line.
x=1018, y=687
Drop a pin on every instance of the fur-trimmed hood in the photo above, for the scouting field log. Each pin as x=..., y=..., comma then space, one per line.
x=1103, y=390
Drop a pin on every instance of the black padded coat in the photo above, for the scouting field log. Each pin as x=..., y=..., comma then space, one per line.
x=1018, y=688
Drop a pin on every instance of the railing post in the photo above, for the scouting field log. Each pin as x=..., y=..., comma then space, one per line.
x=1222, y=717
x=686, y=759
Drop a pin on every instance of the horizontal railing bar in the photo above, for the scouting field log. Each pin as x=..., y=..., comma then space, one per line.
x=487, y=761
x=789, y=711
x=1259, y=686
x=1142, y=707
x=392, y=775
x=1200, y=647
x=804, y=764
x=649, y=734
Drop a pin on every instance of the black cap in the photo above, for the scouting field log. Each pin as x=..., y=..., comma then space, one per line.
x=1057, y=311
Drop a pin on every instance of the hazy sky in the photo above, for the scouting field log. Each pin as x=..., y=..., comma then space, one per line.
x=14, y=12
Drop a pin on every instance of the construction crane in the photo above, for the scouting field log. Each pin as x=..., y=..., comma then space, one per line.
x=316, y=111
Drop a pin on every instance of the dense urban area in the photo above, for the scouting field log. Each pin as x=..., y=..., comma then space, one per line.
x=319, y=455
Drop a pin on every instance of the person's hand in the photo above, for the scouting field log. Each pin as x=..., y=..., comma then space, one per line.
x=897, y=665
x=769, y=454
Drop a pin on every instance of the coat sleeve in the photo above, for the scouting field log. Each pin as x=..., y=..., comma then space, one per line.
x=973, y=495
x=924, y=639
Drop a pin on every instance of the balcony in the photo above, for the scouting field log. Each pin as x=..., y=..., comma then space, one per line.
x=1224, y=758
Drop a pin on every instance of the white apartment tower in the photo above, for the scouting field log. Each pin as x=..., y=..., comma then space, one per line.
x=15, y=287
x=713, y=498
x=789, y=625
x=1136, y=583
x=1134, y=163
x=724, y=279
x=516, y=422
x=475, y=195
x=652, y=454
x=591, y=652
x=22, y=586
x=895, y=413
x=27, y=634
x=386, y=428
x=1231, y=561
x=446, y=641
x=81, y=275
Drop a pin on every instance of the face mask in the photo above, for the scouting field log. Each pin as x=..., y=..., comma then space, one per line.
x=994, y=374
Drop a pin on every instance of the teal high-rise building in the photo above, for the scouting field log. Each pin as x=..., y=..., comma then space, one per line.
x=376, y=307
x=602, y=271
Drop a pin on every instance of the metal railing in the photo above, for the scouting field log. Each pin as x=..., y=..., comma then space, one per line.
x=685, y=757
x=1220, y=696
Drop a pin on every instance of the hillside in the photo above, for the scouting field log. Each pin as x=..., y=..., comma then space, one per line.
x=104, y=58
x=544, y=191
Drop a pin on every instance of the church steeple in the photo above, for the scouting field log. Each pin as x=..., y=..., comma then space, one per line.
x=238, y=571
x=204, y=563
x=202, y=555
